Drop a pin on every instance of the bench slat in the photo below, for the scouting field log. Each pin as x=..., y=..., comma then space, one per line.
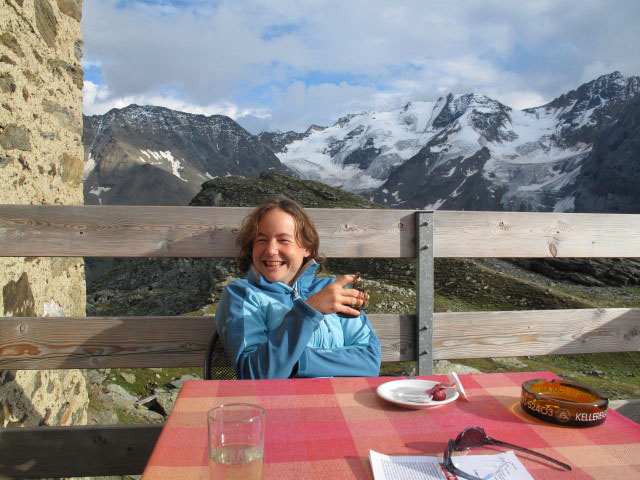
x=535, y=332
x=103, y=342
x=136, y=342
x=535, y=234
x=150, y=231
x=111, y=342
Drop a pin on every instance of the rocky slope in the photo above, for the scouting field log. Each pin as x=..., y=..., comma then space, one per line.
x=247, y=192
x=610, y=175
x=144, y=155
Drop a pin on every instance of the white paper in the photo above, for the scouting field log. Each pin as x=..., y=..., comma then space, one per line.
x=503, y=466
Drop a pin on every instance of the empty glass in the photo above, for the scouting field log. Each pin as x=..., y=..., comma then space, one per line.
x=236, y=442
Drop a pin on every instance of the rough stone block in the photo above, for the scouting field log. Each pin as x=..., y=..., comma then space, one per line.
x=71, y=169
x=7, y=59
x=78, y=48
x=5, y=160
x=15, y=137
x=60, y=265
x=18, y=298
x=7, y=84
x=11, y=42
x=48, y=397
x=73, y=8
x=74, y=71
x=46, y=22
x=64, y=116
x=30, y=76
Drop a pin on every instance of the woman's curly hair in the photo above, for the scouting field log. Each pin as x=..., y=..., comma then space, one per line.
x=306, y=233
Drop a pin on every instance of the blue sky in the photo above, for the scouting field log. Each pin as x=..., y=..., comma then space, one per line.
x=286, y=64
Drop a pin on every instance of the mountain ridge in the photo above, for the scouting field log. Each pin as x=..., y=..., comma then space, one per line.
x=465, y=151
x=190, y=148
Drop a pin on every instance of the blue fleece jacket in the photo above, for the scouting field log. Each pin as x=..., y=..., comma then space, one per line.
x=268, y=328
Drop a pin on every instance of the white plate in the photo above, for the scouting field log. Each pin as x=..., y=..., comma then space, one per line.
x=410, y=393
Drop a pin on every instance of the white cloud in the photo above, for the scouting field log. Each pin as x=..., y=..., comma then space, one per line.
x=320, y=104
x=595, y=69
x=97, y=99
x=288, y=63
x=299, y=106
x=521, y=99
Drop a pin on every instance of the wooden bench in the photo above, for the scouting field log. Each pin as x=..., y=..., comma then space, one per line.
x=113, y=342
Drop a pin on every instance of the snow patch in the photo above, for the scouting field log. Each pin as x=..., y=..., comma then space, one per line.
x=89, y=165
x=436, y=205
x=565, y=205
x=52, y=309
x=585, y=118
x=159, y=158
x=98, y=190
x=449, y=173
x=457, y=191
x=399, y=134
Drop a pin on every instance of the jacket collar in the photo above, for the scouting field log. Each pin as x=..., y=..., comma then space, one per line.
x=301, y=281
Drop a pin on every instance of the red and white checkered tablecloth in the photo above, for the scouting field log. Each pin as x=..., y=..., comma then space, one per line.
x=324, y=428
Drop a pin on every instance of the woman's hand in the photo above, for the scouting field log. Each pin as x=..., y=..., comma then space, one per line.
x=334, y=298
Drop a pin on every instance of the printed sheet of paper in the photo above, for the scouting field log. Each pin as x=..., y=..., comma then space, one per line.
x=504, y=466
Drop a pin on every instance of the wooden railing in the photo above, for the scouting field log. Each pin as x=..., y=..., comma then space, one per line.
x=106, y=342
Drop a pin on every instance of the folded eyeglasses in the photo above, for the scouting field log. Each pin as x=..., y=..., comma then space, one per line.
x=476, y=437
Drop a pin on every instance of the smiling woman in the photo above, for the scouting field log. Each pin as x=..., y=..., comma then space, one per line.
x=276, y=252
x=282, y=321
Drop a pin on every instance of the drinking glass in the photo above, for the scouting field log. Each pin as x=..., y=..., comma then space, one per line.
x=236, y=442
x=358, y=284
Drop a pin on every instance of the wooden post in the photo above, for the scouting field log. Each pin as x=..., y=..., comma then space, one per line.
x=424, y=292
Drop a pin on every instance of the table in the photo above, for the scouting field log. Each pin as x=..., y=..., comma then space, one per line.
x=324, y=428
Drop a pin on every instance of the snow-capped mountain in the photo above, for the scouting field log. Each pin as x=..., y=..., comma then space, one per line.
x=156, y=156
x=464, y=151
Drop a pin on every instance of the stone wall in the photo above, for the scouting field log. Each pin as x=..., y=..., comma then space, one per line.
x=41, y=163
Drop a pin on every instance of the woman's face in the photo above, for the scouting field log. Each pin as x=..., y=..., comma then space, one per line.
x=276, y=252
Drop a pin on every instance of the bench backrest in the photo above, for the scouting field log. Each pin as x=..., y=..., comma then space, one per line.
x=116, y=231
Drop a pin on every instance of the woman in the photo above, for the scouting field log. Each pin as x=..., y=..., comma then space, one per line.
x=282, y=321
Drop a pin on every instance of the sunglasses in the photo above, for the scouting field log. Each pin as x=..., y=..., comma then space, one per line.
x=476, y=437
